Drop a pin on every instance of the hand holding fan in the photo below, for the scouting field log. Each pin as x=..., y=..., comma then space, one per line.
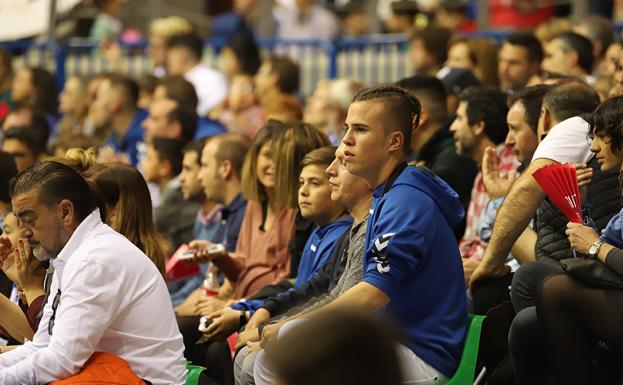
x=559, y=181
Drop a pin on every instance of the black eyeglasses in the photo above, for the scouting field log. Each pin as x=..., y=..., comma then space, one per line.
x=55, y=303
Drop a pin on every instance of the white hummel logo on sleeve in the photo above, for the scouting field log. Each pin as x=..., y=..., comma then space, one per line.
x=380, y=254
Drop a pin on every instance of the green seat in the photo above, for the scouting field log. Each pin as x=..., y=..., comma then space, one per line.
x=467, y=366
x=194, y=374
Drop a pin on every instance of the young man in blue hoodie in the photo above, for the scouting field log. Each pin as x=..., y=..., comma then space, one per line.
x=413, y=273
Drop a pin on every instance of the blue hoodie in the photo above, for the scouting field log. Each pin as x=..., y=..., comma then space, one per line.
x=411, y=255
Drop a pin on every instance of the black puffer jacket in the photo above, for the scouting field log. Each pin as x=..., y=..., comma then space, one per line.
x=604, y=198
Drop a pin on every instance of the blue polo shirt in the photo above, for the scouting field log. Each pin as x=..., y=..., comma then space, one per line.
x=128, y=145
x=231, y=220
x=411, y=255
x=223, y=231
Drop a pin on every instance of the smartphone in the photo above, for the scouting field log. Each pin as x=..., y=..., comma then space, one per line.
x=215, y=249
x=188, y=254
x=204, y=322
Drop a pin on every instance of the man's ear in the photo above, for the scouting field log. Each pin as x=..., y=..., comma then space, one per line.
x=164, y=168
x=597, y=46
x=175, y=129
x=116, y=105
x=274, y=80
x=547, y=120
x=396, y=140
x=423, y=119
x=479, y=128
x=66, y=211
x=573, y=59
x=535, y=68
x=226, y=170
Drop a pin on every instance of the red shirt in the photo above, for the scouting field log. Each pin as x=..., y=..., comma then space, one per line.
x=507, y=14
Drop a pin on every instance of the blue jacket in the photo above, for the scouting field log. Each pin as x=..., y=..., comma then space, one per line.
x=319, y=248
x=411, y=255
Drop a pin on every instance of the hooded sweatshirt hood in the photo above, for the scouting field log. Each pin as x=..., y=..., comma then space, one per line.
x=436, y=188
x=412, y=256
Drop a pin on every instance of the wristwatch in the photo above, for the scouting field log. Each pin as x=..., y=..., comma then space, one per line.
x=593, y=250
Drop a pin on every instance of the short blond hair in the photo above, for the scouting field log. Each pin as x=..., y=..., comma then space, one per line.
x=167, y=27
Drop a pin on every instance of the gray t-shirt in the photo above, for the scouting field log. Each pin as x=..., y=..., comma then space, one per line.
x=352, y=275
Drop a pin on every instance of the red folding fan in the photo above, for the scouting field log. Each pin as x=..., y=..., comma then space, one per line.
x=560, y=183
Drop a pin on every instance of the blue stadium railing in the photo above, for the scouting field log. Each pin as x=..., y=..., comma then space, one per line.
x=371, y=59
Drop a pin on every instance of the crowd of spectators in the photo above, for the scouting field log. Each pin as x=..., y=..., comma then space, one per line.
x=108, y=20
x=214, y=216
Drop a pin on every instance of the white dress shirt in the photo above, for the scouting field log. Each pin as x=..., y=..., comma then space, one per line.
x=113, y=300
x=210, y=85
